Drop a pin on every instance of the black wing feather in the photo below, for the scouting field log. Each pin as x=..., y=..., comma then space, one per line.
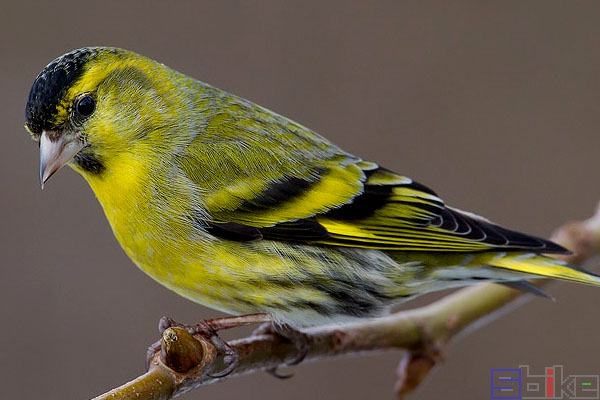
x=432, y=219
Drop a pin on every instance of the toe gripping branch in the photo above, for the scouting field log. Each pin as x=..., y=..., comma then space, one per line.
x=299, y=339
x=198, y=348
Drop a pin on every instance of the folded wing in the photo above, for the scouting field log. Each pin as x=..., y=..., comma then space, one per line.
x=356, y=203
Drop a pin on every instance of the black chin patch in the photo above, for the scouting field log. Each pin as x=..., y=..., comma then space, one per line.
x=89, y=162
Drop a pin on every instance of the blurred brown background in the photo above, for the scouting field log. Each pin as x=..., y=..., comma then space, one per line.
x=495, y=104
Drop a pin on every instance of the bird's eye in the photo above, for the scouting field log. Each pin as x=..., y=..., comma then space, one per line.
x=85, y=105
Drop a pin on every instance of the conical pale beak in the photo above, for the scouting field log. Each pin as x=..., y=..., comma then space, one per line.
x=56, y=151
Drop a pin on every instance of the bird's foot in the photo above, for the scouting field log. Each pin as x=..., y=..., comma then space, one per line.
x=285, y=332
x=208, y=330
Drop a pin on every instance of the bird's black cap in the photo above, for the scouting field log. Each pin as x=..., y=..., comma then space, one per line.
x=50, y=86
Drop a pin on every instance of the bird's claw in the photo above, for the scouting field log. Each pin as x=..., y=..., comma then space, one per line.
x=208, y=330
x=298, y=338
x=274, y=372
x=152, y=350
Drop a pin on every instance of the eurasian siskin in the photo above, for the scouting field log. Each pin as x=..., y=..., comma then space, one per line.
x=243, y=210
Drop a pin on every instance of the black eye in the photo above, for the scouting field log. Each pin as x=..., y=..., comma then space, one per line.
x=85, y=105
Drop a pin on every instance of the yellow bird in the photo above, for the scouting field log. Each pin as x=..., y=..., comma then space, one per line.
x=243, y=210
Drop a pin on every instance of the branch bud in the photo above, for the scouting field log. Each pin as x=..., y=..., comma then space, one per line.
x=180, y=351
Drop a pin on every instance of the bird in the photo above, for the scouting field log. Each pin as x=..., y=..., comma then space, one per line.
x=245, y=211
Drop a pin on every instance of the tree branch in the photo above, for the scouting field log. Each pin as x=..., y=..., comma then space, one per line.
x=185, y=362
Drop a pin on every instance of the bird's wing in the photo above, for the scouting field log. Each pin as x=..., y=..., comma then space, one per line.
x=393, y=212
x=265, y=177
x=356, y=205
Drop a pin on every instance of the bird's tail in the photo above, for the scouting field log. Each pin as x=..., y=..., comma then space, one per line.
x=543, y=266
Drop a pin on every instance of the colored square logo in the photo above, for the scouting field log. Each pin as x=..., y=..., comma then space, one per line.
x=506, y=384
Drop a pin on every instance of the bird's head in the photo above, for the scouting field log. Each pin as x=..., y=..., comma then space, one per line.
x=94, y=108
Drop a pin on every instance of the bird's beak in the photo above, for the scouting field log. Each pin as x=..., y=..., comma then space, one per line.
x=56, y=151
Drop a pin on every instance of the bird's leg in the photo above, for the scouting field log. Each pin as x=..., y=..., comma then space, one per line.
x=285, y=332
x=208, y=330
x=220, y=324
